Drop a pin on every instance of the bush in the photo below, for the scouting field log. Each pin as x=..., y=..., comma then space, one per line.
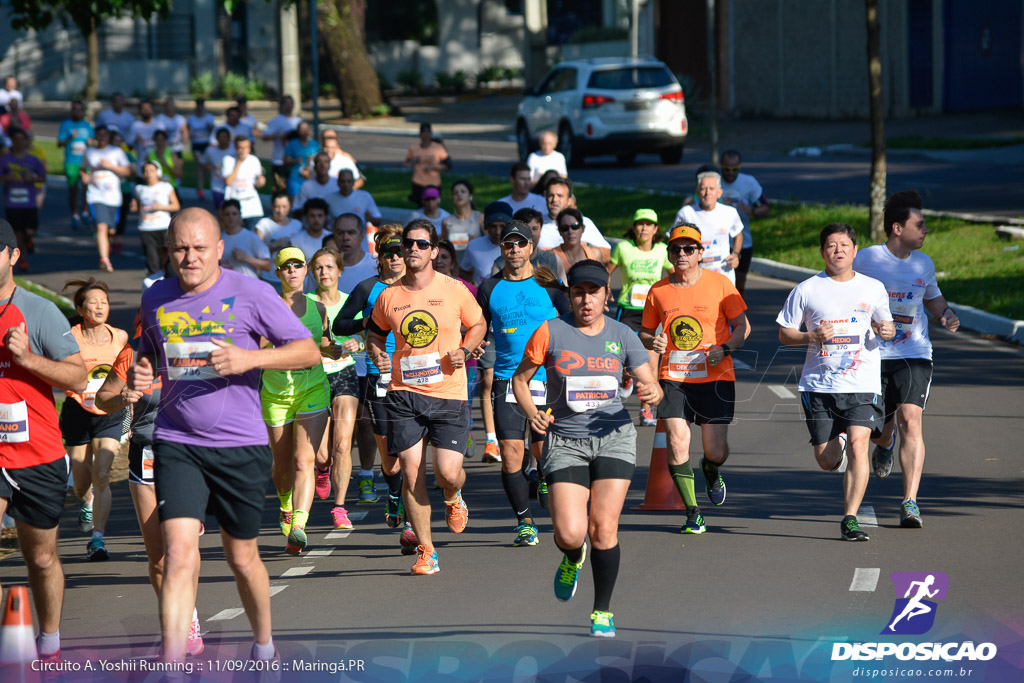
x=232, y=85
x=328, y=89
x=202, y=85
x=382, y=109
x=410, y=78
x=456, y=81
x=489, y=74
x=511, y=72
x=255, y=89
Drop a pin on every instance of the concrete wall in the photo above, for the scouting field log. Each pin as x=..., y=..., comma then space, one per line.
x=261, y=20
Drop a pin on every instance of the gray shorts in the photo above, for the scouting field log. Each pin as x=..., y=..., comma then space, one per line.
x=581, y=461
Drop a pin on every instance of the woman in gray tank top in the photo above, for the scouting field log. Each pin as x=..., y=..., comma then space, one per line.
x=465, y=222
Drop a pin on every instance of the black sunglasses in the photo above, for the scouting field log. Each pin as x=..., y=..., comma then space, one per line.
x=687, y=249
x=570, y=226
x=521, y=243
x=422, y=245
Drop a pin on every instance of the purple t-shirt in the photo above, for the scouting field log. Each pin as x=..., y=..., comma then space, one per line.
x=19, y=194
x=197, y=406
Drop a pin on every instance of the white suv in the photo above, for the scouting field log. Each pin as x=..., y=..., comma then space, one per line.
x=612, y=105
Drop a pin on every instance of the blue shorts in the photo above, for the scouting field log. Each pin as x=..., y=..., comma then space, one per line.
x=105, y=215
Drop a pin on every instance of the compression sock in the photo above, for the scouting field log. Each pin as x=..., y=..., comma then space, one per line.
x=299, y=518
x=682, y=477
x=712, y=468
x=517, y=490
x=394, y=481
x=574, y=554
x=605, y=565
x=286, y=500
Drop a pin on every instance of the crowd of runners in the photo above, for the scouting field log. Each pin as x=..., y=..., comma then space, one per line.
x=265, y=347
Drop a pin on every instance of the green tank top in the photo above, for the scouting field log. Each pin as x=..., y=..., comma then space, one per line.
x=298, y=382
x=166, y=166
x=332, y=366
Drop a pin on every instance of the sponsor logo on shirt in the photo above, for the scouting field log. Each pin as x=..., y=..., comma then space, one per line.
x=686, y=332
x=419, y=329
x=612, y=347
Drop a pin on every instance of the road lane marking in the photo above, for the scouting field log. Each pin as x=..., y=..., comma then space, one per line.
x=865, y=579
x=740, y=365
x=227, y=614
x=297, y=571
x=275, y=589
x=339, y=534
x=358, y=515
x=866, y=515
x=781, y=391
x=320, y=552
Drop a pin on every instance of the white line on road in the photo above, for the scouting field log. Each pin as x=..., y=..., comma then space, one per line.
x=340, y=533
x=866, y=515
x=781, y=391
x=358, y=515
x=226, y=614
x=320, y=552
x=297, y=571
x=275, y=589
x=865, y=579
x=740, y=365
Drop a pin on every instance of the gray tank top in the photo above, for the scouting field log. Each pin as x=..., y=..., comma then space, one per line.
x=462, y=230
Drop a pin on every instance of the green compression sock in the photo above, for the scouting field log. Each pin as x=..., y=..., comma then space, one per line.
x=682, y=477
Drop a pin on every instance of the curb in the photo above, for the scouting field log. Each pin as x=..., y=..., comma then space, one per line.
x=971, y=318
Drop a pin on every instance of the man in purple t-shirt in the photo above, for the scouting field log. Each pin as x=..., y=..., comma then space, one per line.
x=201, y=331
x=19, y=173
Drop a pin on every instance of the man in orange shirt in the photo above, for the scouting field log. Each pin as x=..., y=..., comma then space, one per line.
x=702, y=321
x=427, y=159
x=426, y=311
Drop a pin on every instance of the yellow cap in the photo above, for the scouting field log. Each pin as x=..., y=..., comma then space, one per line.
x=289, y=254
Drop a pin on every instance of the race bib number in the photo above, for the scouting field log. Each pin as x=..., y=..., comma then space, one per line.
x=844, y=340
x=382, y=384
x=586, y=393
x=150, y=217
x=13, y=422
x=638, y=295
x=687, y=364
x=147, y=463
x=89, y=396
x=420, y=370
x=189, y=361
x=18, y=195
x=902, y=316
x=538, y=390
x=243, y=187
x=459, y=240
x=78, y=148
x=107, y=182
x=332, y=366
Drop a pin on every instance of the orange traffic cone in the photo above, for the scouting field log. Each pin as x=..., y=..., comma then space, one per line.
x=371, y=230
x=661, y=493
x=17, y=642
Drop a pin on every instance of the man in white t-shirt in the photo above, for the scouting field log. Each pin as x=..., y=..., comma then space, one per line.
x=742, y=192
x=521, y=197
x=247, y=119
x=311, y=238
x=278, y=129
x=116, y=116
x=243, y=176
x=339, y=158
x=348, y=236
x=233, y=122
x=845, y=316
x=547, y=159
x=244, y=251
x=350, y=200
x=10, y=92
x=277, y=229
x=212, y=161
x=140, y=136
x=320, y=184
x=909, y=278
x=558, y=196
x=720, y=226
x=174, y=124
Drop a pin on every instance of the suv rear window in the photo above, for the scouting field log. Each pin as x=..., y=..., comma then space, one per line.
x=629, y=78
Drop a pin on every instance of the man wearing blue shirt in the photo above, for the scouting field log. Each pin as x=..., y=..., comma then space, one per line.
x=74, y=136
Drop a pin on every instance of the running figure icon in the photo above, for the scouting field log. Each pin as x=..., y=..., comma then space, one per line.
x=915, y=607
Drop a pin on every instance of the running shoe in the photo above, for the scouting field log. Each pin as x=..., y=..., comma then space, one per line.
x=627, y=388
x=426, y=563
x=841, y=465
x=367, y=491
x=694, y=522
x=339, y=518
x=542, y=494
x=910, y=515
x=106, y=266
x=85, y=519
x=469, y=448
x=526, y=534
x=269, y=672
x=76, y=222
x=194, y=646
x=286, y=522
x=601, y=624
x=533, y=480
x=408, y=540
x=647, y=419
x=881, y=459
x=568, y=575
x=323, y=483
x=713, y=483
x=296, y=540
x=491, y=452
x=53, y=658
x=96, y=551
x=456, y=513
x=850, y=530
x=393, y=511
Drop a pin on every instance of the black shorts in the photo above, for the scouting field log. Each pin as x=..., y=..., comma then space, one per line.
x=23, y=219
x=344, y=383
x=829, y=415
x=509, y=420
x=36, y=494
x=905, y=380
x=486, y=361
x=198, y=148
x=230, y=483
x=631, y=318
x=703, y=403
x=79, y=426
x=140, y=464
x=412, y=416
x=368, y=389
x=745, y=256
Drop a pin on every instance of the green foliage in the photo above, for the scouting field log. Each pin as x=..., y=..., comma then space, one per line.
x=489, y=74
x=410, y=78
x=456, y=81
x=255, y=89
x=510, y=72
x=38, y=14
x=598, y=34
x=232, y=85
x=202, y=85
x=382, y=109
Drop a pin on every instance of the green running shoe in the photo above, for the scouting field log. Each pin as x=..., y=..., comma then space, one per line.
x=526, y=534
x=601, y=624
x=85, y=519
x=568, y=575
x=850, y=530
x=910, y=515
x=694, y=522
x=394, y=513
x=367, y=491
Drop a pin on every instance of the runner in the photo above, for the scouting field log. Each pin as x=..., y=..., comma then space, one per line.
x=591, y=448
x=210, y=445
x=334, y=457
x=295, y=407
x=297, y=154
x=243, y=176
x=277, y=229
x=200, y=129
x=213, y=160
x=318, y=185
x=163, y=154
x=140, y=135
x=431, y=210
x=643, y=257
x=909, y=277
x=103, y=169
x=466, y=222
x=74, y=136
x=702, y=322
x=514, y=305
x=175, y=125
x=116, y=235
x=244, y=251
x=20, y=171
x=280, y=130
x=427, y=159
x=427, y=394
x=155, y=200
x=572, y=250
x=719, y=224
x=846, y=316
x=91, y=435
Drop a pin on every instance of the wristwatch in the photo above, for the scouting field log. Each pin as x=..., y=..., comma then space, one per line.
x=465, y=351
x=726, y=350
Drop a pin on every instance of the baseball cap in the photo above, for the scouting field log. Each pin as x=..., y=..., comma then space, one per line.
x=393, y=242
x=431, y=193
x=516, y=228
x=646, y=215
x=7, y=236
x=588, y=271
x=497, y=212
x=684, y=231
x=289, y=254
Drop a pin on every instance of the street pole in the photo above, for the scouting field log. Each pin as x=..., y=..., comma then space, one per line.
x=316, y=68
x=713, y=81
x=634, y=28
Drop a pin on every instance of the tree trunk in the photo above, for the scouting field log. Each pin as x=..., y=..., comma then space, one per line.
x=341, y=24
x=877, y=193
x=92, y=73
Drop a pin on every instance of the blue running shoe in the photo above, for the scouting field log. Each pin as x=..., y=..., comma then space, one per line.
x=568, y=575
x=713, y=483
x=601, y=624
x=96, y=551
x=694, y=522
x=526, y=534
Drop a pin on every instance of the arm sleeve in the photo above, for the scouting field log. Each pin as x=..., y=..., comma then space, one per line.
x=537, y=348
x=346, y=322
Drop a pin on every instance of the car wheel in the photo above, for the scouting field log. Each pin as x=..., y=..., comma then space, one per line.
x=523, y=146
x=567, y=146
x=626, y=159
x=672, y=155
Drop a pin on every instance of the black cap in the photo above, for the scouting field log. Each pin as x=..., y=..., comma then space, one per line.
x=7, y=236
x=516, y=228
x=497, y=211
x=588, y=270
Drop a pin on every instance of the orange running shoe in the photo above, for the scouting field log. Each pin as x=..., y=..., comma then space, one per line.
x=456, y=513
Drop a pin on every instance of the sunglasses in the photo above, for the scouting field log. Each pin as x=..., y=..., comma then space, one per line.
x=392, y=253
x=687, y=249
x=570, y=226
x=521, y=243
x=292, y=265
x=422, y=245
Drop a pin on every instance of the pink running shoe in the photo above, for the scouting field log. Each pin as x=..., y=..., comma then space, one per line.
x=339, y=517
x=323, y=484
x=409, y=540
x=194, y=646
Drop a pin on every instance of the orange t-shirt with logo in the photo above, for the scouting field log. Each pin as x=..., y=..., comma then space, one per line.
x=427, y=324
x=694, y=318
x=98, y=362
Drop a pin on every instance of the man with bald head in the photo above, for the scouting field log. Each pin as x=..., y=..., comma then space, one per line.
x=201, y=331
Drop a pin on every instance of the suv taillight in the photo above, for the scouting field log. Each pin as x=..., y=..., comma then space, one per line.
x=595, y=101
x=673, y=97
